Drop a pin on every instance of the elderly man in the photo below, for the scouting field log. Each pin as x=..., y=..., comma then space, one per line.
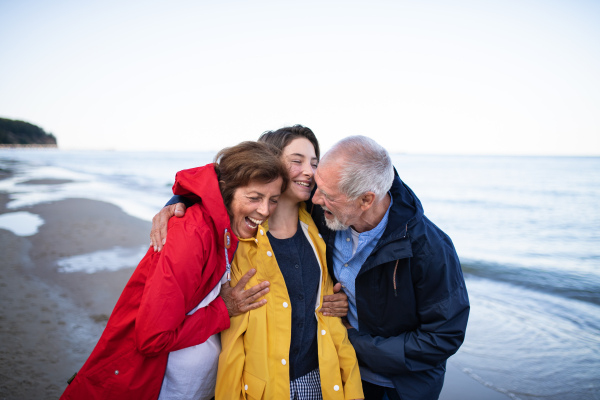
x=408, y=304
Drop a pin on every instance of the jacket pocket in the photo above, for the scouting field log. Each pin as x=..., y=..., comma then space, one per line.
x=253, y=387
x=115, y=375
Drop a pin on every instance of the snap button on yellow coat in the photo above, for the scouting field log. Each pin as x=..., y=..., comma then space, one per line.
x=254, y=358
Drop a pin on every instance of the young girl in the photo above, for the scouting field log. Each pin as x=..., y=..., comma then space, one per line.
x=287, y=348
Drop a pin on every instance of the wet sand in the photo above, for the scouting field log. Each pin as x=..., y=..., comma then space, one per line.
x=50, y=321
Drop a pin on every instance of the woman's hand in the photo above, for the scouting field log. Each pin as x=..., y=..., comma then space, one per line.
x=335, y=305
x=158, y=234
x=238, y=301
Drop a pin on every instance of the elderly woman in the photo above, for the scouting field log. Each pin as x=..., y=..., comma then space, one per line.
x=162, y=340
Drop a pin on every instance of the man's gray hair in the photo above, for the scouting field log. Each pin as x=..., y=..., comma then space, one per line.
x=365, y=166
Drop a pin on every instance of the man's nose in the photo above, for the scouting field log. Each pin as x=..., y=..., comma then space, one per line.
x=318, y=197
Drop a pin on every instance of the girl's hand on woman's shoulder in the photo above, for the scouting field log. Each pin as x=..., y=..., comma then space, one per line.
x=158, y=233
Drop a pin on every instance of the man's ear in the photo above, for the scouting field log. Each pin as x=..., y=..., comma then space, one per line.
x=367, y=200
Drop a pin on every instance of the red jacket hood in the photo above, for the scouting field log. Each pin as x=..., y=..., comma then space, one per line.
x=201, y=185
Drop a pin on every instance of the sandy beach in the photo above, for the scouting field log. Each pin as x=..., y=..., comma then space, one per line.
x=50, y=321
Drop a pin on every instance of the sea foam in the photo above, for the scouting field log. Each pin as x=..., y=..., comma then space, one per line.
x=21, y=223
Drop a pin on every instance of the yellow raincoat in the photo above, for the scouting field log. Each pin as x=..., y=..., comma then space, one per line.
x=255, y=349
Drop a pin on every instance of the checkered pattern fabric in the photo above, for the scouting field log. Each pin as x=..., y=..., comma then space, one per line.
x=307, y=387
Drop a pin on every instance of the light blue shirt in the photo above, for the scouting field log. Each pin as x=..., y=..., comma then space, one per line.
x=347, y=265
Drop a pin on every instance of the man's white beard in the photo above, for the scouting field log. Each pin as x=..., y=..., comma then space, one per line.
x=334, y=224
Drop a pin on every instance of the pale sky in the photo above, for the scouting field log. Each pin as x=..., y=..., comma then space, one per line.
x=420, y=77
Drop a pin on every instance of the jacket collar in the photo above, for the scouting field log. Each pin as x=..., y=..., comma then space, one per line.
x=406, y=211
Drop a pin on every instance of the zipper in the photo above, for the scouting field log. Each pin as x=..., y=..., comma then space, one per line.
x=227, y=242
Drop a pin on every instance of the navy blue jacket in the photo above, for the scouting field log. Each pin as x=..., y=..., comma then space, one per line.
x=411, y=299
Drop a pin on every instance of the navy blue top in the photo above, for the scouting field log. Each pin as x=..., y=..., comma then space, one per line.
x=301, y=272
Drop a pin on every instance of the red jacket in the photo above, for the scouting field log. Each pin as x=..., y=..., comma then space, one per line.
x=149, y=319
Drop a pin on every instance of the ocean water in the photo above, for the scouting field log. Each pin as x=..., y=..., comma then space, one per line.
x=527, y=231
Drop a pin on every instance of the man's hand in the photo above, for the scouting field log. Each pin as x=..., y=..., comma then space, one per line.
x=347, y=324
x=335, y=305
x=158, y=234
x=238, y=301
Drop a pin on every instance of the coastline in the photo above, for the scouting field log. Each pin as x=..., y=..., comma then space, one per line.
x=28, y=146
x=50, y=321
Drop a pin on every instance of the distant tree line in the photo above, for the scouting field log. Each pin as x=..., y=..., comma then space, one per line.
x=14, y=132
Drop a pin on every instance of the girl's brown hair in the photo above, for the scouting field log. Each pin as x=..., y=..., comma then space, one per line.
x=283, y=136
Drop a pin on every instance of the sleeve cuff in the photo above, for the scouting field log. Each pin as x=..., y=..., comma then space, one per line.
x=180, y=199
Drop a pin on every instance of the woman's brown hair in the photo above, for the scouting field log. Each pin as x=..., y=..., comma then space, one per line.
x=283, y=136
x=238, y=165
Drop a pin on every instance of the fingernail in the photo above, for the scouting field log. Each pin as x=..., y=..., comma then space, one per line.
x=164, y=240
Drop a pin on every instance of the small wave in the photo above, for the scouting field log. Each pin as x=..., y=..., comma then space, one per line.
x=474, y=376
x=579, y=285
x=523, y=342
x=104, y=260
